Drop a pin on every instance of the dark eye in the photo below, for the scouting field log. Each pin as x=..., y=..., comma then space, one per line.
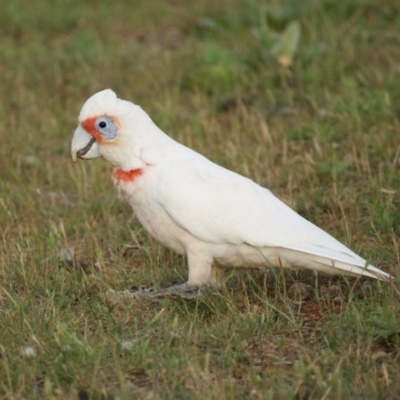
x=106, y=127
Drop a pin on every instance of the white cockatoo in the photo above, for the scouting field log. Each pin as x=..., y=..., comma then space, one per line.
x=213, y=216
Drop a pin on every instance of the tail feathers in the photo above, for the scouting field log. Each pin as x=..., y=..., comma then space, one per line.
x=331, y=261
x=332, y=266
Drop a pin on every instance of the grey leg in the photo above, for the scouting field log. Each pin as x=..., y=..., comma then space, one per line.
x=184, y=290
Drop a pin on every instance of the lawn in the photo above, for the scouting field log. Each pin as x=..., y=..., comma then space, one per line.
x=302, y=97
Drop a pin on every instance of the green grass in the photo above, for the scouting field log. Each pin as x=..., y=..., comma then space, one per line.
x=323, y=134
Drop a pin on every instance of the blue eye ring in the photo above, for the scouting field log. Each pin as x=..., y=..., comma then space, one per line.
x=105, y=126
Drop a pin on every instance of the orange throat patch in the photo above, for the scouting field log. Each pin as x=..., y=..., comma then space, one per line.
x=120, y=175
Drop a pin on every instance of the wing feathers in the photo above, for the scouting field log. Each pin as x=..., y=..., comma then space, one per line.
x=219, y=206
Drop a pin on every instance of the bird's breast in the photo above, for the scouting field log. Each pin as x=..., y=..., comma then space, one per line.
x=138, y=191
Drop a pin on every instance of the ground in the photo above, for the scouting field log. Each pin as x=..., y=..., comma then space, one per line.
x=302, y=97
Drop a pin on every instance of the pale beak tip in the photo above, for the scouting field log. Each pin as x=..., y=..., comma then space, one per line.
x=83, y=146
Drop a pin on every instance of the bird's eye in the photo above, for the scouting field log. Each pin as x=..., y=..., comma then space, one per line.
x=106, y=128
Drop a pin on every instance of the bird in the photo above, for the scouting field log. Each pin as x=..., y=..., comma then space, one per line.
x=211, y=215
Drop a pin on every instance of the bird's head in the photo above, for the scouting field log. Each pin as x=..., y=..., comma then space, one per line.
x=111, y=128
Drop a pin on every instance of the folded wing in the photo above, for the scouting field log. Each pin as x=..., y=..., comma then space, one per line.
x=219, y=206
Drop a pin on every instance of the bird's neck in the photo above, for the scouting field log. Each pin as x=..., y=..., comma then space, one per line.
x=120, y=175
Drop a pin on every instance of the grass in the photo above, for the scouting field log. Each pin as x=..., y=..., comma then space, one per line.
x=323, y=133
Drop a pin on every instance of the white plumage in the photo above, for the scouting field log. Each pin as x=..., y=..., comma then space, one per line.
x=199, y=209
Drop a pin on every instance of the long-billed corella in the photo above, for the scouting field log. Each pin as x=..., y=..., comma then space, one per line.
x=213, y=216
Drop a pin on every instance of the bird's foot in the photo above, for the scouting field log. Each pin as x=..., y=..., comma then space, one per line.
x=184, y=290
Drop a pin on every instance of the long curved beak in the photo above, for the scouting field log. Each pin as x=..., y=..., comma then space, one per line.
x=84, y=146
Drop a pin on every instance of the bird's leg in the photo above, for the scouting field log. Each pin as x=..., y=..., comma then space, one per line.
x=201, y=274
x=183, y=290
x=200, y=268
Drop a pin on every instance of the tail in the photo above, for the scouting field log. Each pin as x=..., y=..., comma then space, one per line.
x=332, y=267
x=334, y=262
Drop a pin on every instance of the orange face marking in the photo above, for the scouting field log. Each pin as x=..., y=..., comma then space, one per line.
x=88, y=126
x=127, y=176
